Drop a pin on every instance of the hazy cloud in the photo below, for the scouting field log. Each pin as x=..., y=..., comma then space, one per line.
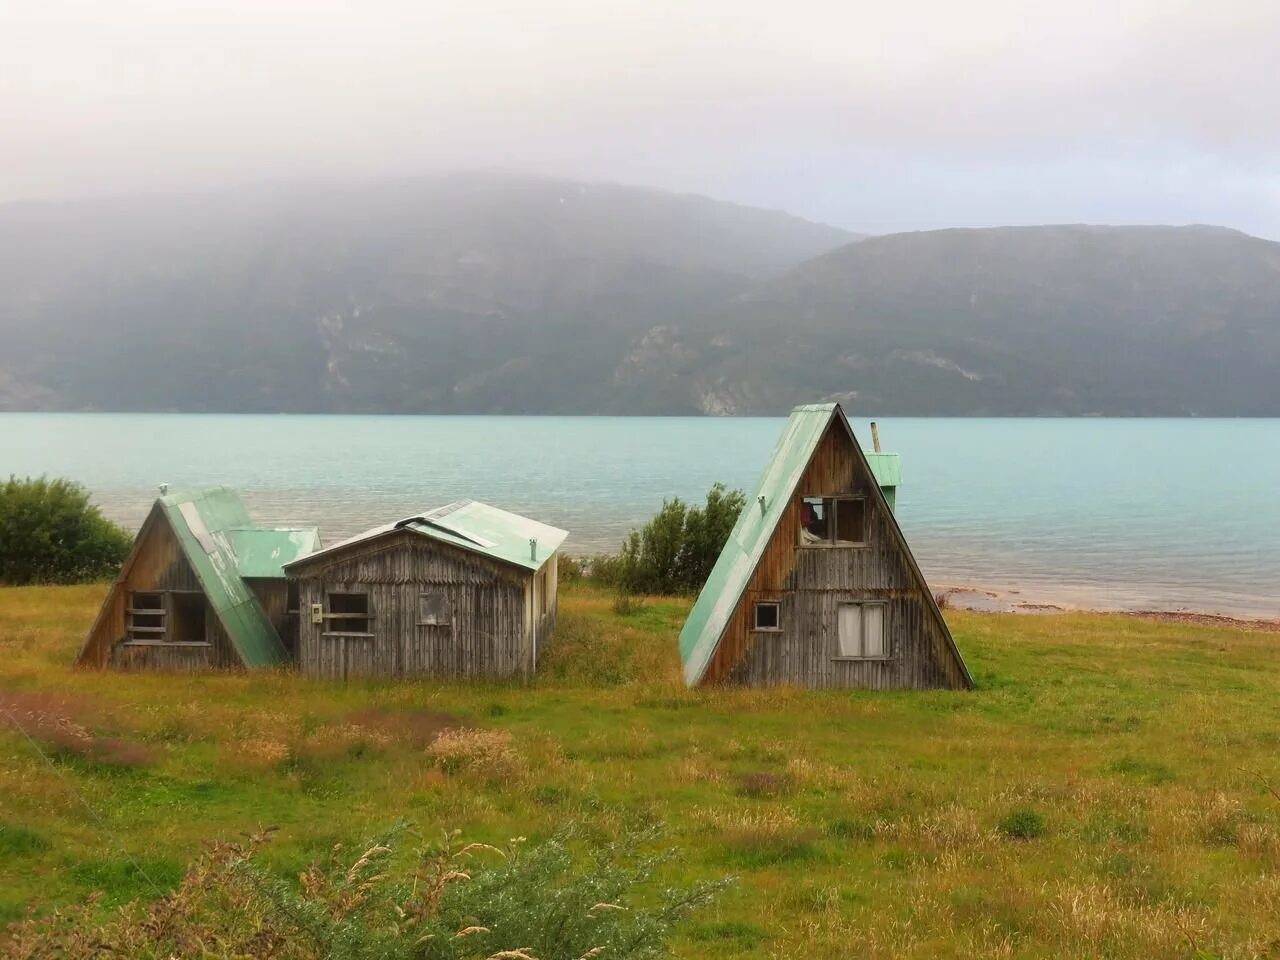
x=873, y=115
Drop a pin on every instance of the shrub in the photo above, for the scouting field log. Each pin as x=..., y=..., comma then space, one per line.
x=488, y=753
x=447, y=901
x=675, y=551
x=51, y=533
x=570, y=569
x=1023, y=824
x=627, y=605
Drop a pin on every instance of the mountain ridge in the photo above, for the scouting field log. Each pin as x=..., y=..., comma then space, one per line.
x=486, y=293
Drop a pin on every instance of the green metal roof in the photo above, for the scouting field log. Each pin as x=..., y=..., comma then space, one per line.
x=208, y=525
x=886, y=468
x=472, y=526
x=261, y=552
x=750, y=536
x=754, y=529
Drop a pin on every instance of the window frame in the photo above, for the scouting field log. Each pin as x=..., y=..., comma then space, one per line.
x=885, y=646
x=831, y=512
x=139, y=635
x=755, y=616
x=446, y=619
x=330, y=615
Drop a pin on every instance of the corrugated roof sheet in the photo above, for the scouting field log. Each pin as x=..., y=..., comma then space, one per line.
x=746, y=545
x=262, y=552
x=473, y=526
x=207, y=524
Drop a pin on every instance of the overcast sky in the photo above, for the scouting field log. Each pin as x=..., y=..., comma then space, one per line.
x=881, y=116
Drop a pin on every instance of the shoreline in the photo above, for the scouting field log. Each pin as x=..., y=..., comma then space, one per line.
x=1044, y=599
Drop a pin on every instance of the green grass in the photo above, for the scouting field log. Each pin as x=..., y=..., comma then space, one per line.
x=1102, y=792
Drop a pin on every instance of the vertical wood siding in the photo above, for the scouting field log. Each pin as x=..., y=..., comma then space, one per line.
x=809, y=583
x=158, y=565
x=488, y=633
x=273, y=597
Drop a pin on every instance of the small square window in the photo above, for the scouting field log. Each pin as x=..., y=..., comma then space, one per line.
x=348, y=613
x=768, y=615
x=433, y=610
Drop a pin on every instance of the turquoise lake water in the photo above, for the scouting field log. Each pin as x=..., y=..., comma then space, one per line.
x=1104, y=513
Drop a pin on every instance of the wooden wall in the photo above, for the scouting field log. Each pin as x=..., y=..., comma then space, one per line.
x=542, y=613
x=489, y=602
x=157, y=564
x=810, y=582
x=272, y=596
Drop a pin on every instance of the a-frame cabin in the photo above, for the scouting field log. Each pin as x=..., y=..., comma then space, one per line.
x=202, y=588
x=816, y=586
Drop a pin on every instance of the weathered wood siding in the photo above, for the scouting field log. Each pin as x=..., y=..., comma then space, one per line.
x=273, y=597
x=809, y=583
x=158, y=564
x=543, y=604
x=487, y=634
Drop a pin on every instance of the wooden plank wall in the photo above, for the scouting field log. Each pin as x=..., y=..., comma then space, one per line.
x=273, y=595
x=810, y=581
x=487, y=635
x=544, y=624
x=158, y=565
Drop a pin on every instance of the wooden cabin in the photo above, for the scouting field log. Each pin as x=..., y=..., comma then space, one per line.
x=202, y=588
x=466, y=590
x=816, y=585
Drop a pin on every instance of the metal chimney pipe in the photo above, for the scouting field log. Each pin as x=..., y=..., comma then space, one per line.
x=533, y=548
x=875, y=436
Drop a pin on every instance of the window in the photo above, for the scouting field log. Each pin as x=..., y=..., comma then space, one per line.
x=833, y=520
x=291, y=599
x=814, y=514
x=861, y=628
x=348, y=613
x=433, y=610
x=767, y=615
x=188, y=617
x=146, y=618
x=851, y=520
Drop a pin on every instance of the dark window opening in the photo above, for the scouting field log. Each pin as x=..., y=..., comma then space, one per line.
x=768, y=616
x=188, y=618
x=851, y=520
x=291, y=596
x=146, y=618
x=349, y=613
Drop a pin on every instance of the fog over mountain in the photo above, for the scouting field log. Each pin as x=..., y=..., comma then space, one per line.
x=877, y=117
x=494, y=293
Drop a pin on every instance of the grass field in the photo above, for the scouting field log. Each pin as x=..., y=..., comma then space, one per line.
x=1103, y=792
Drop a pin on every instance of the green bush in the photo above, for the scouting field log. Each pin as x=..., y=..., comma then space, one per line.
x=51, y=533
x=674, y=552
x=570, y=569
x=443, y=901
x=1023, y=824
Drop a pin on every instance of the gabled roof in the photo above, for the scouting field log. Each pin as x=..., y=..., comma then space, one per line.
x=472, y=526
x=216, y=535
x=759, y=519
